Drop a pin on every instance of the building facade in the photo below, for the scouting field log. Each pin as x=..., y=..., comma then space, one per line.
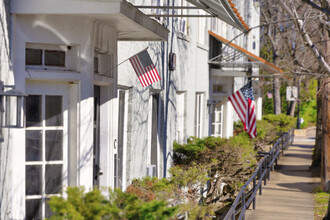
x=61, y=55
x=87, y=121
x=182, y=103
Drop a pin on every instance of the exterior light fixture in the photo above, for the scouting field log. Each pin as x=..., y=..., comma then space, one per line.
x=172, y=61
x=11, y=102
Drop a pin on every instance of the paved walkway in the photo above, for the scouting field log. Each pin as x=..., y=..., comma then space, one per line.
x=288, y=193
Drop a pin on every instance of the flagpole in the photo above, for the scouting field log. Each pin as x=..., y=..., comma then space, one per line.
x=220, y=103
x=124, y=61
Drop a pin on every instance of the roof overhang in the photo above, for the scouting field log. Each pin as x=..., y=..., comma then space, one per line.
x=131, y=23
x=224, y=10
x=232, y=57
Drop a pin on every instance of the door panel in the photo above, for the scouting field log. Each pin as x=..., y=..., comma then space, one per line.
x=46, y=145
x=120, y=151
x=96, y=135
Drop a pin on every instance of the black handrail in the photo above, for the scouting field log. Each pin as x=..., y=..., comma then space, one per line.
x=262, y=172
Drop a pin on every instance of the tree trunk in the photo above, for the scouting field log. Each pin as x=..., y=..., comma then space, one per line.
x=277, y=97
x=325, y=168
x=291, y=108
x=316, y=164
x=325, y=175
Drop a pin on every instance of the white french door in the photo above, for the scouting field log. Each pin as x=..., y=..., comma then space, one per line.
x=217, y=122
x=120, y=150
x=199, y=103
x=153, y=135
x=46, y=145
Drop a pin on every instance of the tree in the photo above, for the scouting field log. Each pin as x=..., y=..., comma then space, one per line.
x=304, y=53
x=281, y=39
x=322, y=56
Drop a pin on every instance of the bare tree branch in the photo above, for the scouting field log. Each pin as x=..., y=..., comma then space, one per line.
x=306, y=37
x=317, y=7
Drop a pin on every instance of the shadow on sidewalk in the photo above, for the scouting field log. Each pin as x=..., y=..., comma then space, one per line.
x=301, y=186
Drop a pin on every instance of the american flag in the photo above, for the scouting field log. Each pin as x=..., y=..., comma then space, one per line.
x=144, y=68
x=242, y=100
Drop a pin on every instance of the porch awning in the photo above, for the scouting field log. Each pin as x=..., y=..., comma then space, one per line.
x=130, y=22
x=224, y=10
x=232, y=54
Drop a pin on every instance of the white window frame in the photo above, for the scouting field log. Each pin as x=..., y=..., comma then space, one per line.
x=71, y=57
x=199, y=114
x=150, y=132
x=51, y=90
x=181, y=117
x=183, y=21
x=125, y=116
x=218, y=114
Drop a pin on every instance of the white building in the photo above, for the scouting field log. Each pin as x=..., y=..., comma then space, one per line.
x=61, y=54
x=182, y=103
x=86, y=121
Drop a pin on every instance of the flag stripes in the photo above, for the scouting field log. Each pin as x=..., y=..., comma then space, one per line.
x=242, y=101
x=144, y=68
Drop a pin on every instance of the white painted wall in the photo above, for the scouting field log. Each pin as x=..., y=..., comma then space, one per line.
x=64, y=30
x=6, y=164
x=251, y=13
x=191, y=76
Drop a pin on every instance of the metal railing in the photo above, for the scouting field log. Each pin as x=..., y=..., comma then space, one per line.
x=262, y=173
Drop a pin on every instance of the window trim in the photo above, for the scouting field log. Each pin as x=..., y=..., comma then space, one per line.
x=69, y=58
x=199, y=114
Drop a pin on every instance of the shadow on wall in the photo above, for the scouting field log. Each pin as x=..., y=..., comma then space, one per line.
x=5, y=66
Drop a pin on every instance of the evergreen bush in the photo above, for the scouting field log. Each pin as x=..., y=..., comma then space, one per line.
x=80, y=205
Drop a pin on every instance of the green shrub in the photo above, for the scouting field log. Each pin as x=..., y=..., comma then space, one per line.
x=309, y=113
x=190, y=151
x=79, y=205
x=182, y=189
x=93, y=205
x=265, y=130
x=281, y=122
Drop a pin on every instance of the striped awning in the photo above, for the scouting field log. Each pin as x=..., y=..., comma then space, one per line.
x=232, y=54
x=225, y=10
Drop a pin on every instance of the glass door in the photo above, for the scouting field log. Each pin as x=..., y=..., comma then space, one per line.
x=217, y=121
x=45, y=149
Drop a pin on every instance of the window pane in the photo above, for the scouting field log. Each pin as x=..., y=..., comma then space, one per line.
x=33, y=209
x=217, y=117
x=48, y=211
x=33, y=110
x=54, y=116
x=96, y=64
x=11, y=110
x=54, y=58
x=33, y=146
x=54, y=150
x=53, y=179
x=33, y=57
x=33, y=180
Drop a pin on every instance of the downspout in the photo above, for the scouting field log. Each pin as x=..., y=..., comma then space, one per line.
x=166, y=86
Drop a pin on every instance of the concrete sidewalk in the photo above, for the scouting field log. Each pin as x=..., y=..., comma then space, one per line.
x=288, y=193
